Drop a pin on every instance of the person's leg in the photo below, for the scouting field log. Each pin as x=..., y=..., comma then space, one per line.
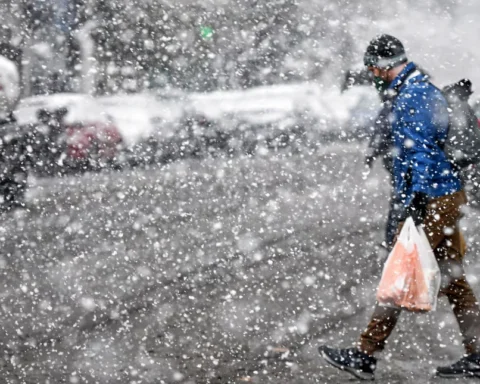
x=359, y=360
x=463, y=302
x=442, y=229
x=383, y=319
x=467, y=313
x=450, y=254
x=379, y=328
x=441, y=226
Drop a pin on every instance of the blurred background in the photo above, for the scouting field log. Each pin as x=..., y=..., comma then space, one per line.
x=128, y=83
x=184, y=193
x=104, y=47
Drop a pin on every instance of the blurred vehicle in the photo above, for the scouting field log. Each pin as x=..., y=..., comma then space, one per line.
x=91, y=139
x=92, y=145
x=248, y=134
x=159, y=128
x=192, y=136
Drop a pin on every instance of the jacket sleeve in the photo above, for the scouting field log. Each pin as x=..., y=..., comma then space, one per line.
x=381, y=141
x=424, y=119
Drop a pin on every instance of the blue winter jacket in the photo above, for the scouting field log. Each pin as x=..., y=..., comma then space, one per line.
x=419, y=127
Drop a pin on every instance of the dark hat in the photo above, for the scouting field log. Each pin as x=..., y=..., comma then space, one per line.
x=385, y=52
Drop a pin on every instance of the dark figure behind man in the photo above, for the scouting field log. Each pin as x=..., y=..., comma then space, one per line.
x=14, y=160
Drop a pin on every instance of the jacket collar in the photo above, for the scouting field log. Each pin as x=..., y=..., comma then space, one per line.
x=407, y=75
x=402, y=76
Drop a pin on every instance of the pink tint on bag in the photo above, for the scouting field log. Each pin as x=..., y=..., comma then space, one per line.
x=403, y=282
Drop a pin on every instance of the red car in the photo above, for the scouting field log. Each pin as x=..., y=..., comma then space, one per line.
x=96, y=141
x=91, y=138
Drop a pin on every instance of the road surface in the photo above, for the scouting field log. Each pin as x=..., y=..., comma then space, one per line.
x=208, y=271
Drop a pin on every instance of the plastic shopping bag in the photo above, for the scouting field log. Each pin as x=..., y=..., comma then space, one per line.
x=411, y=276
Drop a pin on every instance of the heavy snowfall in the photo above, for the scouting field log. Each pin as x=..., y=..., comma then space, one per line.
x=204, y=213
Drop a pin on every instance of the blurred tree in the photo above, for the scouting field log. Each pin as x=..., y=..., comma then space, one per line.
x=201, y=46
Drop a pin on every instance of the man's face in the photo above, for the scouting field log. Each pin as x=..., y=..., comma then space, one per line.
x=377, y=72
x=381, y=78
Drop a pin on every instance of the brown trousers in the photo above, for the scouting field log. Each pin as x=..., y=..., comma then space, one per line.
x=441, y=228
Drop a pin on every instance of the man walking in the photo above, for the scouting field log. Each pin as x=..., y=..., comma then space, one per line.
x=428, y=188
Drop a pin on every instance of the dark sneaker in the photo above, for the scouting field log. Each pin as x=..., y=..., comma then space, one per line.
x=350, y=360
x=467, y=366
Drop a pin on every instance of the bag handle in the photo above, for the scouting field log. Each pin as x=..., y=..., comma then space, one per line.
x=406, y=234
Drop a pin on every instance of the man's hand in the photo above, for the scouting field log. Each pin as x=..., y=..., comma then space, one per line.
x=418, y=208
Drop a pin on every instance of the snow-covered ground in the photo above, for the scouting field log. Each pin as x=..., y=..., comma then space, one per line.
x=212, y=271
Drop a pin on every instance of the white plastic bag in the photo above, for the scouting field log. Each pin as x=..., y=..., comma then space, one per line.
x=411, y=276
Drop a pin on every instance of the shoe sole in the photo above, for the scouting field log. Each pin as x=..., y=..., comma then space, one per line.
x=458, y=376
x=358, y=374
